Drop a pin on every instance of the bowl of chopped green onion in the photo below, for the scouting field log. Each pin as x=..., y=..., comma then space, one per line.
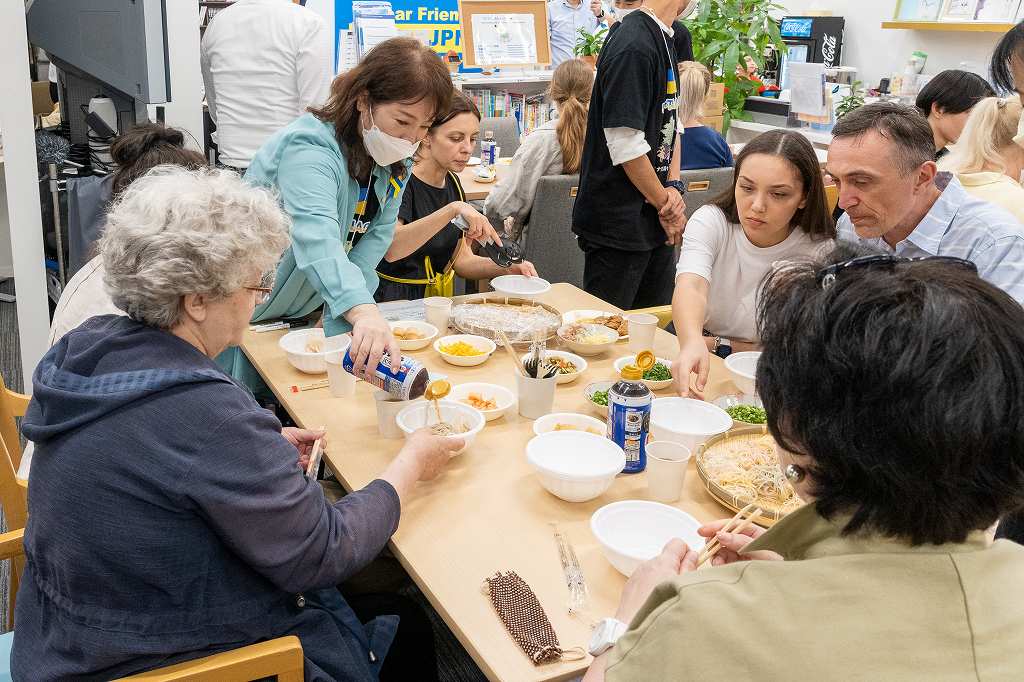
x=745, y=408
x=597, y=397
x=657, y=378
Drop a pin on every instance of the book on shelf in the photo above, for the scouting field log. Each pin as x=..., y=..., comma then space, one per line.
x=531, y=111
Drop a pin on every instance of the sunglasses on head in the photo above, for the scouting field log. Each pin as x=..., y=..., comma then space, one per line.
x=828, y=275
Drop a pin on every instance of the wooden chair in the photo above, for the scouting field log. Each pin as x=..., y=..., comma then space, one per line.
x=11, y=405
x=832, y=197
x=14, y=500
x=281, y=658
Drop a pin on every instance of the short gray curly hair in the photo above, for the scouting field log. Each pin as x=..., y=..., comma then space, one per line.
x=176, y=231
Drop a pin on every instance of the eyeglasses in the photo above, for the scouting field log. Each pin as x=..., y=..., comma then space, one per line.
x=827, y=276
x=263, y=289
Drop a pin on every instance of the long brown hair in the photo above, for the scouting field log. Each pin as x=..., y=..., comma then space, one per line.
x=814, y=218
x=398, y=70
x=146, y=146
x=571, y=85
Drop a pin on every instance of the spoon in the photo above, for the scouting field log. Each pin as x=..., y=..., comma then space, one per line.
x=435, y=391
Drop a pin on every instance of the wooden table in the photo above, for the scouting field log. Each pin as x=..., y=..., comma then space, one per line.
x=486, y=512
x=478, y=191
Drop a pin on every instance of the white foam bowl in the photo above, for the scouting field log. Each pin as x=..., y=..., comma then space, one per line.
x=499, y=394
x=478, y=342
x=415, y=417
x=520, y=285
x=580, y=422
x=610, y=337
x=687, y=421
x=294, y=346
x=743, y=368
x=599, y=410
x=581, y=365
x=574, y=465
x=428, y=331
x=635, y=531
x=650, y=383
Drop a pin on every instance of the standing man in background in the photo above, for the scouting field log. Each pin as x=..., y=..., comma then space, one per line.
x=629, y=211
x=264, y=62
x=565, y=19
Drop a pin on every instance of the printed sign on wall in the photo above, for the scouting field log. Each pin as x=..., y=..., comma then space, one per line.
x=437, y=23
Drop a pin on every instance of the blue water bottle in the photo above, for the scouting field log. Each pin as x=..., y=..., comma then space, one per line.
x=629, y=413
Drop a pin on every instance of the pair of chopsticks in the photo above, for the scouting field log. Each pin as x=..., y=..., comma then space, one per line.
x=736, y=524
x=315, y=454
x=503, y=337
x=322, y=383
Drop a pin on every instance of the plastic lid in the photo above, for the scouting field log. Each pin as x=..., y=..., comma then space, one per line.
x=635, y=370
x=631, y=373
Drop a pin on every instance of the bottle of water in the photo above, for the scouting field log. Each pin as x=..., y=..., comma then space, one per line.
x=487, y=146
x=629, y=413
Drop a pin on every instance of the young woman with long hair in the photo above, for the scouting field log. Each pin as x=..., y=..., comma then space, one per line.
x=554, y=148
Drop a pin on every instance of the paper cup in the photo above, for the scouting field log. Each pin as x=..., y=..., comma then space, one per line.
x=387, y=409
x=536, y=396
x=667, y=463
x=641, y=331
x=342, y=384
x=439, y=310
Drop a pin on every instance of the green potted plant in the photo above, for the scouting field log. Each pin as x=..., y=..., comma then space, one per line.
x=725, y=33
x=588, y=45
x=854, y=100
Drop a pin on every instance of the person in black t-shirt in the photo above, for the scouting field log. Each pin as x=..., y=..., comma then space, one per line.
x=629, y=208
x=680, y=34
x=427, y=246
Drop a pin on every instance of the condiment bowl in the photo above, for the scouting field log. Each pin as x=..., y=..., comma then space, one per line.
x=505, y=398
x=428, y=331
x=581, y=365
x=294, y=346
x=569, y=421
x=588, y=393
x=650, y=383
x=634, y=531
x=574, y=465
x=480, y=343
x=605, y=338
x=422, y=413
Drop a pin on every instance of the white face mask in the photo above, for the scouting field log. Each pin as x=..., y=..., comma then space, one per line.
x=690, y=8
x=386, y=149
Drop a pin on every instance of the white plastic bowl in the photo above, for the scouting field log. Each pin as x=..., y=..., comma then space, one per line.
x=635, y=531
x=743, y=368
x=429, y=332
x=580, y=422
x=499, y=394
x=599, y=410
x=520, y=285
x=734, y=399
x=650, y=383
x=294, y=346
x=478, y=342
x=413, y=418
x=610, y=337
x=581, y=365
x=573, y=465
x=687, y=421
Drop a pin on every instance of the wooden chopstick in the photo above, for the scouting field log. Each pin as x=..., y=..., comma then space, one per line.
x=511, y=353
x=322, y=383
x=314, y=454
x=735, y=525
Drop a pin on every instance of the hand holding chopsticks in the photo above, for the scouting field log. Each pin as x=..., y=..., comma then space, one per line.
x=736, y=525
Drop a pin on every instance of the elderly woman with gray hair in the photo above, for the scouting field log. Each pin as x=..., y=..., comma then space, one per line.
x=168, y=518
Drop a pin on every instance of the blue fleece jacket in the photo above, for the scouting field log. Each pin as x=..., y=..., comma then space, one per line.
x=168, y=520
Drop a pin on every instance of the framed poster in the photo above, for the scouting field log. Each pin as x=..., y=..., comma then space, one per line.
x=505, y=33
x=958, y=10
x=997, y=11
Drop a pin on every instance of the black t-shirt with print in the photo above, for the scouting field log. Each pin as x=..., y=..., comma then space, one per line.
x=419, y=201
x=635, y=87
x=681, y=38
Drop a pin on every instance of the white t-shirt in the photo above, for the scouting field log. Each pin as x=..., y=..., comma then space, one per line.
x=264, y=62
x=720, y=252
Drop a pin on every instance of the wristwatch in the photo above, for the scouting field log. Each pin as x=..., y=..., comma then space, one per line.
x=723, y=347
x=605, y=634
x=676, y=185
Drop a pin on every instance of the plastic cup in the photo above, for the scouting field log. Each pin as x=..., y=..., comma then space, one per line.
x=387, y=409
x=342, y=384
x=667, y=463
x=536, y=396
x=439, y=310
x=641, y=331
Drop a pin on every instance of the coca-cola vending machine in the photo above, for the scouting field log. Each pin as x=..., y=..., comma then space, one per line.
x=818, y=40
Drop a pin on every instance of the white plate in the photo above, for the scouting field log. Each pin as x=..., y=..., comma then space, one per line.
x=499, y=394
x=429, y=332
x=473, y=161
x=634, y=531
x=581, y=365
x=479, y=342
x=520, y=285
x=575, y=315
x=650, y=383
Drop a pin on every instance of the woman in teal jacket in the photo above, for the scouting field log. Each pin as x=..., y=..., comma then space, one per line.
x=340, y=172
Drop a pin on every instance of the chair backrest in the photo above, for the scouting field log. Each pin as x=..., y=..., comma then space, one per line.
x=14, y=499
x=832, y=197
x=703, y=185
x=281, y=658
x=88, y=198
x=11, y=405
x=549, y=240
x=506, y=134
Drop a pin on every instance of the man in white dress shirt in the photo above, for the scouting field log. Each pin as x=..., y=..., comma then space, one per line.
x=565, y=19
x=264, y=62
x=882, y=159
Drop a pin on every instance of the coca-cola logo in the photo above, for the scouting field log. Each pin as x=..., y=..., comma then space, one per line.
x=828, y=49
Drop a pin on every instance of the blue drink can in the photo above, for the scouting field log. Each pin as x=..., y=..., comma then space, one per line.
x=407, y=381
